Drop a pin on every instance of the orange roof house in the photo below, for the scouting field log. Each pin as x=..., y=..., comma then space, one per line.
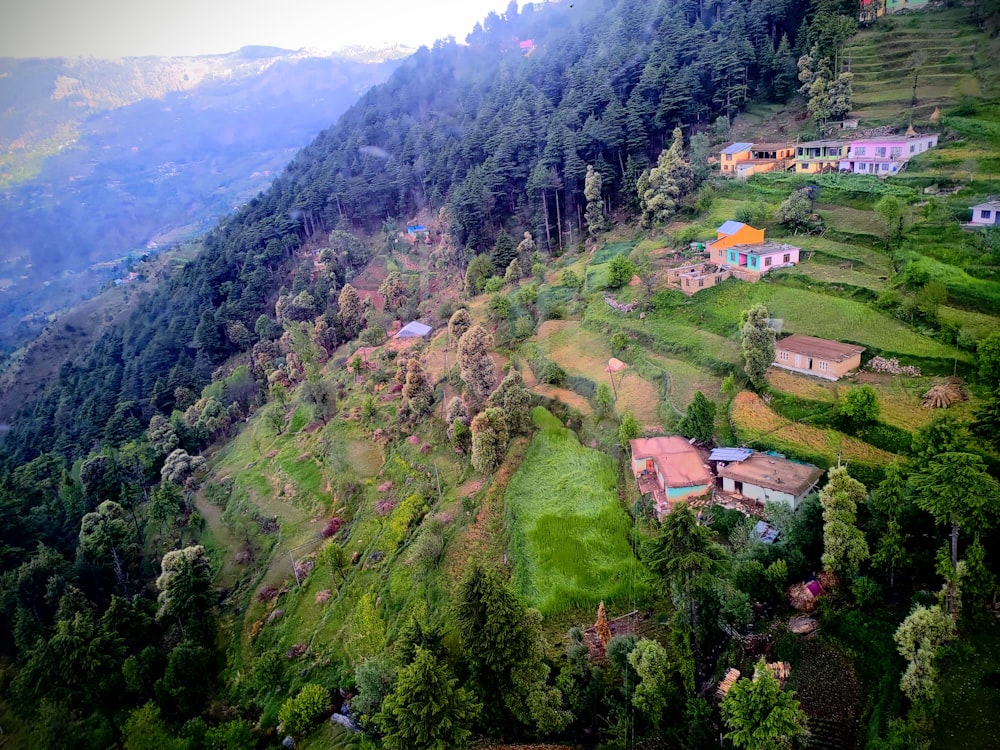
x=670, y=469
x=813, y=356
x=732, y=233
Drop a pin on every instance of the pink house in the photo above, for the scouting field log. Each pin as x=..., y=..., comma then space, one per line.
x=884, y=156
x=759, y=259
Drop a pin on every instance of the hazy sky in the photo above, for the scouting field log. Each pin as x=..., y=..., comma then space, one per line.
x=119, y=28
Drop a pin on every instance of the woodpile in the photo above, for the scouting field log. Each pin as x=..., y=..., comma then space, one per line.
x=727, y=682
x=780, y=670
x=943, y=395
x=803, y=625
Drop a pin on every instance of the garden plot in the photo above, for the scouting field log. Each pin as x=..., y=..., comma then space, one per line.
x=569, y=535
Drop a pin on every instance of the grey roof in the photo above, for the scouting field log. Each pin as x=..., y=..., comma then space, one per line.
x=994, y=205
x=735, y=148
x=766, y=532
x=413, y=330
x=730, y=227
x=730, y=454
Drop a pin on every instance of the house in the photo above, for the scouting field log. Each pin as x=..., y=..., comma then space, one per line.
x=761, y=258
x=731, y=233
x=986, y=214
x=766, y=157
x=413, y=330
x=884, y=156
x=768, y=478
x=670, y=469
x=813, y=356
x=745, y=159
x=732, y=155
x=691, y=279
x=817, y=156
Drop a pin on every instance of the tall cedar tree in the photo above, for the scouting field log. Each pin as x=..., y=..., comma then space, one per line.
x=757, y=339
x=844, y=544
x=350, y=310
x=490, y=436
x=515, y=400
x=458, y=324
x=686, y=555
x=475, y=365
x=427, y=708
x=592, y=191
x=417, y=391
x=956, y=489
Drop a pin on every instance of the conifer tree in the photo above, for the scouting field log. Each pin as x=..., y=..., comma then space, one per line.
x=699, y=421
x=350, y=310
x=489, y=440
x=592, y=187
x=844, y=544
x=417, y=392
x=514, y=399
x=475, y=365
x=757, y=343
x=458, y=324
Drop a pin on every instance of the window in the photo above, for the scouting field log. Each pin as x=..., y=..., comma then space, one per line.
x=783, y=356
x=767, y=261
x=880, y=151
x=984, y=214
x=859, y=151
x=896, y=152
x=912, y=148
x=729, y=157
x=822, y=364
x=787, y=258
x=701, y=282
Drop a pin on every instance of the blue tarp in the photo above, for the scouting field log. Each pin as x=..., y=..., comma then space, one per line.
x=414, y=228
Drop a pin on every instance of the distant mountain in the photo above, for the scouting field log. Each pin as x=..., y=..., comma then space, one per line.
x=101, y=159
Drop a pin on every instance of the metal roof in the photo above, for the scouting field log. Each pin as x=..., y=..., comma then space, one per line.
x=730, y=454
x=413, y=330
x=735, y=148
x=730, y=227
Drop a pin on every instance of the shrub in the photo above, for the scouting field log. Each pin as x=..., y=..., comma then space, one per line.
x=297, y=714
x=552, y=374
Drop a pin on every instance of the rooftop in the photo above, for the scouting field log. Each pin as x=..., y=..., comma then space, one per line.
x=994, y=205
x=735, y=148
x=679, y=463
x=730, y=454
x=891, y=138
x=771, y=146
x=821, y=144
x=765, y=248
x=832, y=351
x=771, y=472
x=413, y=330
x=730, y=227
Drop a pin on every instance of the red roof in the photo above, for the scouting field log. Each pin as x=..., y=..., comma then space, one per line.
x=832, y=351
x=678, y=462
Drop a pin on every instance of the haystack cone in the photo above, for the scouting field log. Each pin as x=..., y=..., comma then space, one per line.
x=602, y=627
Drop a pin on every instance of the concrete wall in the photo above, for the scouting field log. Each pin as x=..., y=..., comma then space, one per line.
x=762, y=494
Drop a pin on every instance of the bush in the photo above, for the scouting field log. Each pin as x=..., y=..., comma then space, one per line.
x=297, y=714
x=552, y=374
x=584, y=386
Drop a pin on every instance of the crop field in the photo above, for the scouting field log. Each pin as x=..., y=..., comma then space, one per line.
x=756, y=422
x=685, y=380
x=583, y=352
x=569, y=536
x=862, y=257
x=815, y=314
x=829, y=273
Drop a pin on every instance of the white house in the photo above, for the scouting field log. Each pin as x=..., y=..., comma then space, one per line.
x=986, y=214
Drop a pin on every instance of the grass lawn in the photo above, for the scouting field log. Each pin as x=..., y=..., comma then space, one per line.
x=833, y=274
x=569, y=535
x=851, y=220
x=837, y=252
x=685, y=380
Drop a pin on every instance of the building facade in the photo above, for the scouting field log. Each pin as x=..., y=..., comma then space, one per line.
x=809, y=355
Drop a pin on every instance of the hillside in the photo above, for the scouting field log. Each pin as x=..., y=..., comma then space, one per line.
x=255, y=506
x=104, y=160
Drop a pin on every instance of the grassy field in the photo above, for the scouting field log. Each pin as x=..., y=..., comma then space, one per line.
x=569, y=536
x=807, y=312
x=580, y=351
x=850, y=220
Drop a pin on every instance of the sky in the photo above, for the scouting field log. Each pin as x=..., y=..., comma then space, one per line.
x=124, y=28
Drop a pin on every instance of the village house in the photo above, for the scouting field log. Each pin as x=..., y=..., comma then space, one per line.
x=731, y=156
x=669, y=469
x=732, y=233
x=884, y=156
x=986, y=214
x=766, y=478
x=745, y=159
x=759, y=259
x=818, y=156
x=820, y=357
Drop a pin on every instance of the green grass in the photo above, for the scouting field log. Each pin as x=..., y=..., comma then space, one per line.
x=609, y=251
x=972, y=708
x=807, y=312
x=569, y=536
x=851, y=220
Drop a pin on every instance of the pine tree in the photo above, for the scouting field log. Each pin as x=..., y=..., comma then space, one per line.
x=417, y=392
x=489, y=440
x=514, y=399
x=844, y=544
x=458, y=324
x=592, y=187
x=350, y=310
x=427, y=709
x=699, y=421
x=475, y=365
x=757, y=343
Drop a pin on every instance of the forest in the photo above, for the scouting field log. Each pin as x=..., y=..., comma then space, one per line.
x=249, y=506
